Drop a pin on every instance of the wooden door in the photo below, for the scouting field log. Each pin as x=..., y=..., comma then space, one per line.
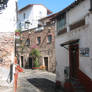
x=74, y=60
x=46, y=62
x=30, y=63
x=22, y=61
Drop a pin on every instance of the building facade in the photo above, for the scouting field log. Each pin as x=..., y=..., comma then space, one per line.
x=29, y=15
x=42, y=38
x=7, y=42
x=74, y=43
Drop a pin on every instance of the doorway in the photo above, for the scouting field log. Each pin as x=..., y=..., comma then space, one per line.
x=74, y=60
x=30, y=63
x=46, y=62
x=22, y=61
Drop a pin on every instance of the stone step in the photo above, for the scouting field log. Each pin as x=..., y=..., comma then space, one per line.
x=77, y=86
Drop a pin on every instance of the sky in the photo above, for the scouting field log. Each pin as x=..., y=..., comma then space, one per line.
x=53, y=5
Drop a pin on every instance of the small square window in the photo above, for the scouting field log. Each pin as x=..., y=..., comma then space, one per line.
x=38, y=40
x=24, y=15
x=27, y=42
x=49, y=38
x=19, y=25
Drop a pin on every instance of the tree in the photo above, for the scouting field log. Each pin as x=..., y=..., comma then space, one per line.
x=35, y=54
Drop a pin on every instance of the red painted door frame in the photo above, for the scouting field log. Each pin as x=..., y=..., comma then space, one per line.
x=83, y=78
x=74, y=65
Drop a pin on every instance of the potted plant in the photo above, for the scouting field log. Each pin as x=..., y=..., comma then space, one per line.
x=35, y=54
x=17, y=32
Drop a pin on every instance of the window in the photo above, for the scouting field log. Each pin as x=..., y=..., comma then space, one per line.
x=38, y=40
x=3, y=4
x=27, y=43
x=1, y=60
x=49, y=31
x=90, y=5
x=27, y=23
x=61, y=21
x=49, y=38
x=48, y=23
x=24, y=15
x=19, y=25
x=39, y=25
x=40, y=12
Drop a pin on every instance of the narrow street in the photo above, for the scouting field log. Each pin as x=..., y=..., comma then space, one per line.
x=6, y=89
x=36, y=81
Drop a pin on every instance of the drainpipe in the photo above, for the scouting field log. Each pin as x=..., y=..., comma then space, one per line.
x=90, y=5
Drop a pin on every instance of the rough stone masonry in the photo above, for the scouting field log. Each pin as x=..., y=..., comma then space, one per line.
x=6, y=56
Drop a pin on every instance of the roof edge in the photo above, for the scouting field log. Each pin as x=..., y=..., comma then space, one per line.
x=72, y=5
x=30, y=5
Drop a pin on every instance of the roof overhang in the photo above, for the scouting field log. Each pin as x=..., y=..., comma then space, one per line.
x=70, y=42
x=74, y=4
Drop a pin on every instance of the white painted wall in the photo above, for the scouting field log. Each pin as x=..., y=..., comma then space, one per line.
x=33, y=14
x=8, y=17
x=8, y=25
x=83, y=33
x=79, y=11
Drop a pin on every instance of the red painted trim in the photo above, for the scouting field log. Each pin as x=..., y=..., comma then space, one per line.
x=68, y=87
x=85, y=80
x=58, y=84
x=35, y=67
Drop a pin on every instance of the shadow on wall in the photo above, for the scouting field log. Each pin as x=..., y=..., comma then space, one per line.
x=42, y=84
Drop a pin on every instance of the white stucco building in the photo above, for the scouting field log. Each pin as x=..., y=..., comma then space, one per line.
x=29, y=15
x=8, y=25
x=74, y=43
x=8, y=17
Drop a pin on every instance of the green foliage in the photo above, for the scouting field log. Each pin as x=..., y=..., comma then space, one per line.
x=17, y=30
x=36, y=64
x=35, y=54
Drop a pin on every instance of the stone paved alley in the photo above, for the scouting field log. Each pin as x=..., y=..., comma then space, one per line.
x=36, y=81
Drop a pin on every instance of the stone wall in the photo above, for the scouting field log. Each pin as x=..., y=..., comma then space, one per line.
x=46, y=49
x=6, y=56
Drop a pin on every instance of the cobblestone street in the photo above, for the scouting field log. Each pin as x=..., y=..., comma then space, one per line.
x=6, y=89
x=36, y=81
